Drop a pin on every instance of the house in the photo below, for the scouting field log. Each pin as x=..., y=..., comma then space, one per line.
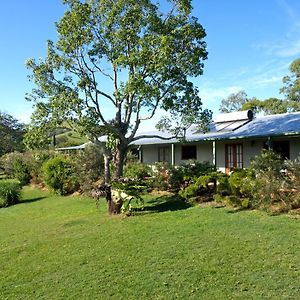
x=232, y=141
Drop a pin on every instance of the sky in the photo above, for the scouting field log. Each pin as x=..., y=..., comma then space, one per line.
x=251, y=44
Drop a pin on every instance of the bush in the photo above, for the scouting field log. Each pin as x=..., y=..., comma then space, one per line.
x=60, y=175
x=137, y=171
x=201, y=185
x=194, y=169
x=9, y=192
x=35, y=161
x=236, y=181
x=21, y=171
x=89, y=166
x=7, y=162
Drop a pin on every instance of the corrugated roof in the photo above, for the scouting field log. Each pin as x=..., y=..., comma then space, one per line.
x=266, y=126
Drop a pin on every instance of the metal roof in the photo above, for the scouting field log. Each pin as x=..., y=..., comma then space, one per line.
x=266, y=126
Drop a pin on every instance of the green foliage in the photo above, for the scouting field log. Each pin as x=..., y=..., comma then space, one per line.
x=9, y=192
x=11, y=134
x=7, y=162
x=129, y=194
x=137, y=170
x=158, y=47
x=21, y=171
x=269, y=183
x=236, y=180
x=291, y=88
x=194, y=169
x=200, y=186
x=89, y=166
x=35, y=160
x=59, y=175
x=190, y=191
x=234, y=102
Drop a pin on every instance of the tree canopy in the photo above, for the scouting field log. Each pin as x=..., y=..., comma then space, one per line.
x=290, y=103
x=11, y=134
x=115, y=64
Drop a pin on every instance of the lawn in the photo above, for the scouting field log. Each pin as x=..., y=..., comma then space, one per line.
x=55, y=247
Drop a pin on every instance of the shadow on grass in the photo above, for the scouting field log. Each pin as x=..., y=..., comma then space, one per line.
x=163, y=203
x=31, y=200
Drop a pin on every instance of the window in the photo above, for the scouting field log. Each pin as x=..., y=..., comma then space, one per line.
x=188, y=152
x=282, y=148
x=164, y=154
x=233, y=157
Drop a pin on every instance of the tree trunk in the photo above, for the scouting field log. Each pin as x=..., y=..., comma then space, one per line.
x=114, y=208
x=119, y=160
x=107, y=176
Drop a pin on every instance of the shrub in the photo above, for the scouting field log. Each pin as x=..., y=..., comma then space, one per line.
x=236, y=181
x=194, y=169
x=201, y=185
x=21, y=171
x=35, y=161
x=137, y=170
x=176, y=178
x=9, y=192
x=59, y=175
x=7, y=162
x=89, y=166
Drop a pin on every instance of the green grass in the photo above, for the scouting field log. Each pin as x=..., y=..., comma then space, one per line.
x=70, y=138
x=53, y=247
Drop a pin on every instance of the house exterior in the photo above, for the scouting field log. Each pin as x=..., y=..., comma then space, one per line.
x=232, y=141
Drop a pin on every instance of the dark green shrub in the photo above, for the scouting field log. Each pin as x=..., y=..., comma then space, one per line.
x=60, y=175
x=194, y=169
x=21, y=171
x=137, y=170
x=176, y=177
x=190, y=191
x=35, y=160
x=9, y=192
x=7, y=162
x=265, y=183
x=267, y=162
x=236, y=181
x=89, y=166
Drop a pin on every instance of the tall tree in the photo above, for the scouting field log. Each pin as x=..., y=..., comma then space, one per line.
x=115, y=64
x=291, y=88
x=11, y=134
x=233, y=102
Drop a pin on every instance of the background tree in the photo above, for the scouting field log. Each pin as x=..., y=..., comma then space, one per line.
x=115, y=63
x=11, y=134
x=268, y=106
x=291, y=88
x=234, y=102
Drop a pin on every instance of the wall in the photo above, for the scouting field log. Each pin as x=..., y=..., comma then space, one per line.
x=294, y=149
x=251, y=148
x=204, y=153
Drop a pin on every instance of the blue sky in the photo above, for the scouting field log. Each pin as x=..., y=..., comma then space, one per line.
x=250, y=43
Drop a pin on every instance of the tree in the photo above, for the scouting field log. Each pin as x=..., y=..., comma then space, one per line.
x=128, y=57
x=240, y=101
x=234, y=102
x=11, y=134
x=268, y=106
x=291, y=88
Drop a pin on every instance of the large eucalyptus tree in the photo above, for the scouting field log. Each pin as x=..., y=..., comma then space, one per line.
x=115, y=64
